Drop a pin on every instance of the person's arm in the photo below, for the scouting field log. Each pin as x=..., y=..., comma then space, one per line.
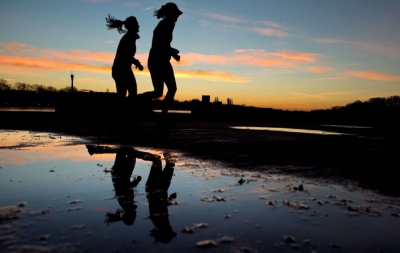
x=175, y=54
x=137, y=64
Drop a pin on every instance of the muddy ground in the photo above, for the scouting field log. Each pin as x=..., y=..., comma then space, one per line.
x=368, y=157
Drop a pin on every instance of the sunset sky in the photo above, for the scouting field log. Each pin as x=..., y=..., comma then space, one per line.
x=284, y=54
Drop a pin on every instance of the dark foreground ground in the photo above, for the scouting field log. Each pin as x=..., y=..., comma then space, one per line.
x=369, y=157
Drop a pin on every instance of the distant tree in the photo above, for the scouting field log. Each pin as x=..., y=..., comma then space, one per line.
x=393, y=101
x=334, y=108
x=22, y=86
x=378, y=102
x=68, y=89
x=51, y=89
x=38, y=88
x=4, y=85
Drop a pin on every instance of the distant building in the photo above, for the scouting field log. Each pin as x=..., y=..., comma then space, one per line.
x=205, y=99
x=229, y=101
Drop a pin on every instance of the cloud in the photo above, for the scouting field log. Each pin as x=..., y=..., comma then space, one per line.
x=252, y=57
x=331, y=78
x=371, y=75
x=270, y=32
x=211, y=75
x=328, y=41
x=48, y=64
x=16, y=47
x=149, y=8
x=322, y=95
x=223, y=17
x=100, y=1
x=132, y=4
x=250, y=25
x=386, y=48
x=319, y=70
x=53, y=60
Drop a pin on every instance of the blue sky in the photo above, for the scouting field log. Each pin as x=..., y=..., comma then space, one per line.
x=281, y=54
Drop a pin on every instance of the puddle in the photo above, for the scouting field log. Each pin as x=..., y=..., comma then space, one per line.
x=26, y=109
x=289, y=130
x=175, y=111
x=345, y=126
x=67, y=198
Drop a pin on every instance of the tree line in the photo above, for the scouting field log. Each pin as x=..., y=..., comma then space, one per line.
x=38, y=88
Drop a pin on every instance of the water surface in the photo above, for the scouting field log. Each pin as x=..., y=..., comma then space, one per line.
x=57, y=193
x=288, y=130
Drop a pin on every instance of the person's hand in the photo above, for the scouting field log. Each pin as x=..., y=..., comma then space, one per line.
x=174, y=51
x=137, y=64
x=176, y=57
x=140, y=67
x=175, y=54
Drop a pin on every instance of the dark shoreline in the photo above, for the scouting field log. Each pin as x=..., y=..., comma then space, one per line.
x=369, y=158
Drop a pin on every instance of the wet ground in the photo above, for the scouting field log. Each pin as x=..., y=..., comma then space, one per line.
x=63, y=193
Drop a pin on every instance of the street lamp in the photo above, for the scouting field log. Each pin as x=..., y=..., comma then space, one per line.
x=72, y=81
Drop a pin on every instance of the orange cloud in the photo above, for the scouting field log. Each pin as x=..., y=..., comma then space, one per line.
x=319, y=70
x=211, y=75
x=374, y=76
x=48, y=64
x=79, y=55
x=252, y=57
x=322, y=95
x=16, y=47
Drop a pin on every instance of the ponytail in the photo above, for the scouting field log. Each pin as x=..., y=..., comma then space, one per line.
x=166, y=10
x=160, y=13
x=113, y=23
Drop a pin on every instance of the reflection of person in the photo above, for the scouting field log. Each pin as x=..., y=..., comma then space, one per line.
x=121, y=173
x=122, y=73
x=160, y=68
x=157, y=194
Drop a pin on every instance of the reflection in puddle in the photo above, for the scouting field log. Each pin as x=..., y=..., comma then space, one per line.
x=175, y=111
x=135, y=199
x=27, y=109
x=344, y=126
x=289, y=130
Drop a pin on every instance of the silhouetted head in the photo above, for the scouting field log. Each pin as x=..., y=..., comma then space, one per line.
x=163, y=236
x=129, y=218
x=131, y=24
x=168, y=11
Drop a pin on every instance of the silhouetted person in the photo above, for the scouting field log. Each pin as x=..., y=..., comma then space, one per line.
x=159, y=65
x=122, y=73
x=121, y=173
x=157, y=194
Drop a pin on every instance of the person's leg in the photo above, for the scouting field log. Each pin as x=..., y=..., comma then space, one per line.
x=144, y=99
x=171, y=85
x=132, y=94
x=156, y=74
x=121, y=93
x=132, y=85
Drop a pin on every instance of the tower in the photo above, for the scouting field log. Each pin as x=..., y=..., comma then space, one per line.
x=72, y=81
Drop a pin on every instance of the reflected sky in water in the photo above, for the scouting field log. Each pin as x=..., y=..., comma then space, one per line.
x=289, y=130
x=26, y=109
x=345, y=126
x=89, y=198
